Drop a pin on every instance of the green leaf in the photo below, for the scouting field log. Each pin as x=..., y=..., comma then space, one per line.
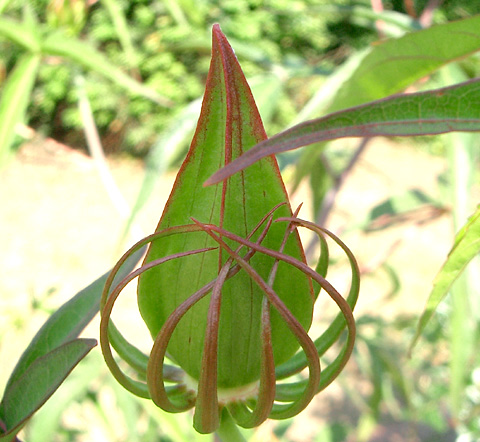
x=21, y=34
x=465, y=248
x=14, y=100
x=396, y=63
x=30, y=391
x=229, y=125
x=453, y=108
x=54, y=344
x=390, y=66
x=393, y=209
x=45, y=425
x=120, y=25
x=67, y=322
x=86, y=56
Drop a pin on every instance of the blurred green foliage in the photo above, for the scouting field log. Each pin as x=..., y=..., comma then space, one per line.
x=166, y=45
x=169, y=51
x=168, y=48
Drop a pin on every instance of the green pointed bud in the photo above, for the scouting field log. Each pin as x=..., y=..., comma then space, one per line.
x=229, y=124
x=224, y=288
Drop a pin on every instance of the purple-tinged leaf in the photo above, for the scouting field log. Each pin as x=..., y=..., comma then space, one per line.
x=396, y=63
x=454, y=108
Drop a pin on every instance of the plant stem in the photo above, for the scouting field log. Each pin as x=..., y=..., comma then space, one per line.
x=460, y=149
x=96, y=151
x=461, y=342
x=228, y=430
x=426, y=17
x=331, y=195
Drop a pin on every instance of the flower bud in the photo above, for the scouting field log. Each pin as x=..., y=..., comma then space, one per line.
x=224, y=289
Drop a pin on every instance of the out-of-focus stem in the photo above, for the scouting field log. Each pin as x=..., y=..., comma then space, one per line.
x=228, y=430
x=461, y=340
x=426, y=17
x=460, y=317
x=329, y=200
x=377, y=6
x=96, y=151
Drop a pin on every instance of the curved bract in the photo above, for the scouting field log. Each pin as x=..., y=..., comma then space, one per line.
x=250, y=404
x=224, y=289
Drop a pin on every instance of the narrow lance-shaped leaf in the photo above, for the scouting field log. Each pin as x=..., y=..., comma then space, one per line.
x=47, y=423
x=449, y=109
x=229, y=125
x=67, y=322
x=53, y=353
x=388, y=67
x=30, y=391
x=85, y=55
x=21, y=34
x=465, y=248
x=396, y=63
x=14, y=100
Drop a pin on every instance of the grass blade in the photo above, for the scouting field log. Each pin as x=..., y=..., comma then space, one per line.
x=14, y=100
x=30, y=391
x=85, y=55
x=20, y=33
x=465, y=248
x=120, y=25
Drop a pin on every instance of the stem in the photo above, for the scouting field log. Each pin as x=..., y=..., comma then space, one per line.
x=460, y=150
x=426, y=17
x=228, y=430
x=96, y=151
x=329, y=200
x=461, y=342
x=410, y=8
x=377, y=6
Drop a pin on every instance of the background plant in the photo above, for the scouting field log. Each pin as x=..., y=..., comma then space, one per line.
x=295, y=93
x=165, y=45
